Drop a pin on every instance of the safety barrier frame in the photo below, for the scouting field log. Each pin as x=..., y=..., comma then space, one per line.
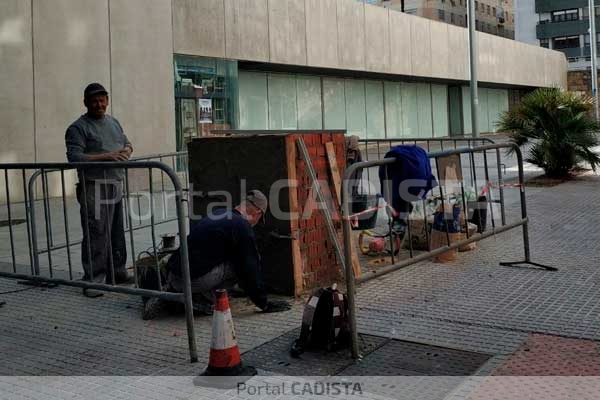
x=39, y=169
x=351, y=281
x=178, y=159
x=465, y=141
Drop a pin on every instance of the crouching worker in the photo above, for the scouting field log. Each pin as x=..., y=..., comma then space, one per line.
x=221, y=251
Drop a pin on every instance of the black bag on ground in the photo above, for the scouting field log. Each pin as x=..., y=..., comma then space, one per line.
x=325, y=323
x=147, y=276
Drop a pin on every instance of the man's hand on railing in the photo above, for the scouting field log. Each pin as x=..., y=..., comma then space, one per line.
x=120, y=155
x=109, y=156
x=127, y=150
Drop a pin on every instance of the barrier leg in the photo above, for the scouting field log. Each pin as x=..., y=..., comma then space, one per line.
x=527, y=260
x=526, y=247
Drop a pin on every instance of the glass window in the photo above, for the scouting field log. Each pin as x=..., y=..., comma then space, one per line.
x=425, y=110
x=254, y=110
x=585, y=12
x=282, y=102
x=439, y=99
x=466, y=110
x=497, y=104
x=572, y=15
x=546, y=43
x=334, y=104
x=205, y=96
x=410, y=110
x=310, y=114
x=356, y=118
x=393, y=109
x=441, y=15
x=375, y=110
x=565, y=42
x=484, y=122
x=565, y=15
x=586, y=39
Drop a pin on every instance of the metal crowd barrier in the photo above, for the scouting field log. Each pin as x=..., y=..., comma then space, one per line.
x=470, y=153
x=375, y=149
x=177, y=162
x=29, y=196
x=444, y=143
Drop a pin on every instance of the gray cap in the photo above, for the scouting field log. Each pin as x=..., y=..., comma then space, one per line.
x=258, y=200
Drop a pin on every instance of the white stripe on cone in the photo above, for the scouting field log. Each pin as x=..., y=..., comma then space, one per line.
x=223, y=332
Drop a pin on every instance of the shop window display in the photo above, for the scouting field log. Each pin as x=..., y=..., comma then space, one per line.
x=205, y=96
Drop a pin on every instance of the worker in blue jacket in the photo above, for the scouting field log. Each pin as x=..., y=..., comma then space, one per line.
x=222, y=251
x=411, y=179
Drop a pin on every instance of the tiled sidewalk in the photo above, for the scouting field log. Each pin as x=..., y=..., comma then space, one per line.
x=472, y=304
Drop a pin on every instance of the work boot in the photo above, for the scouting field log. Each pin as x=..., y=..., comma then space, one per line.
x=202, y=305
x=154, y=307
x=203, y=309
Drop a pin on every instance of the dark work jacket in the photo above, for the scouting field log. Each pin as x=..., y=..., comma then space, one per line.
x=225, y=237
x=412, y=162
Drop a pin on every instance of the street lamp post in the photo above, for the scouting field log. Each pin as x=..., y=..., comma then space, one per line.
x=594, y=57
x=473, y=68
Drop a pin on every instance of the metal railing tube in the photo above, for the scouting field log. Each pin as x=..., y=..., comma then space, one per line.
x=351, y=281
x=349, y=272
x=432, y=253
x=185, y=297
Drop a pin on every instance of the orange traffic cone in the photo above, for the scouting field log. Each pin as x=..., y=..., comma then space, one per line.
x=225, y=369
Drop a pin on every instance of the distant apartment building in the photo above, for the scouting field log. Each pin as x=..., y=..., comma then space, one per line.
x=560, y=25
x=492, y=16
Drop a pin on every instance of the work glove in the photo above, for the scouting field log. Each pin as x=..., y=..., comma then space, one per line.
x=276, y=306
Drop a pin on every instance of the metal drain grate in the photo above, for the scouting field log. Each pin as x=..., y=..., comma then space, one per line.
x=398, y=358
x=274, y=356
x=405, y=370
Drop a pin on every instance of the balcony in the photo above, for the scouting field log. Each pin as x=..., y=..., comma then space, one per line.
x=549, y=29
x=576, y=52
x=545, y=6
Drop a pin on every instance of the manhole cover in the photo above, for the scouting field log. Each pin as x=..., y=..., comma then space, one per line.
x=405, y=370
x=399, y=358
x=14, y=221
x=274, y=356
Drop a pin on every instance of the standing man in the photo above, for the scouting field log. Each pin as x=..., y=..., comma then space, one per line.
x=96, y=136
x=221, y=252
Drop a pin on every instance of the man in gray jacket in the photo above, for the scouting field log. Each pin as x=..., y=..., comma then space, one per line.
x=96, y=136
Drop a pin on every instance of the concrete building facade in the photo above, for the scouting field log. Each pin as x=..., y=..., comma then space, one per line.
x=178, y=68
x=492, y=16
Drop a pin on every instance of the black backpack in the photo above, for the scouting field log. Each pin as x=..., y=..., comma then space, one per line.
x=325, y=323
x=147, y=277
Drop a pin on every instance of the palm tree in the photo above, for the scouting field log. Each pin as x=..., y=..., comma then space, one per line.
x=558, y=126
